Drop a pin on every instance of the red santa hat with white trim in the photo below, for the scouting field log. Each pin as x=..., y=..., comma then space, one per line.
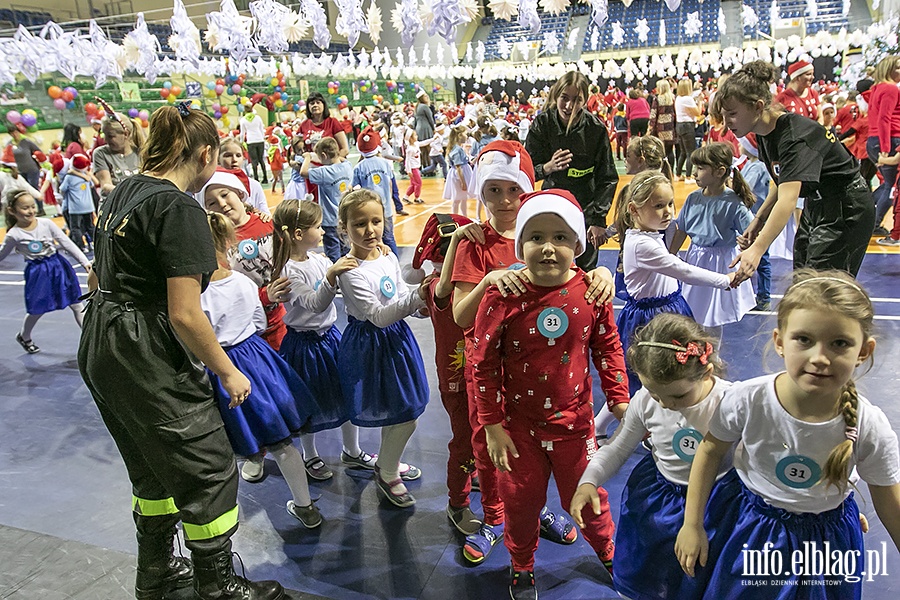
x=556, y=202
x=749, y=144
x=799, y=68
x=507, y=161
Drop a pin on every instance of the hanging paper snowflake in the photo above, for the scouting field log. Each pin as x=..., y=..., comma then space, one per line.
x=373, y=20
x=503, y=48
x=662, y=33
x=295, y=27
x=446, y=15
x=551, y=42
x=504, y=9
x=315, y=14
x=211, y=35
x=642, y=29
x=142, y=49
x=185, y=38
x=812, y=8
x=692, y=25
x=103, y=59
x=723, y=27
x=406, y=21
x=595, y=38
x=480, y=52
x=350, y=21
x=618, y=34
x=57, y=49
x=573, y=38
x=600, y=12
x=471, y=8
x=773, y=12
x=555, y=7
x=748, y=17
x=528, y=15
x=673, y=4
x=25, y=53
x=234, y=31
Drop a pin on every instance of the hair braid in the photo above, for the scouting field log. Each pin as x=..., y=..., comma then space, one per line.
x=837, y=466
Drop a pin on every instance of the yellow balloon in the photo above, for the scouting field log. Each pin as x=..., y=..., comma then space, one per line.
x=279, y=103
x=226, y=121
x=29, y=112
x=171, y=99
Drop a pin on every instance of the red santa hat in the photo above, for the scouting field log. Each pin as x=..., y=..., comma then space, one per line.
x=81, y=162
x=505, y=160
x=58, y=163
x=368, y=142
x=799, y=68
x=223, y=178
x=435, y=238
x=749, y=144
x=826, y=106
x=8, y=159
x=557, y=202
x=39, y=156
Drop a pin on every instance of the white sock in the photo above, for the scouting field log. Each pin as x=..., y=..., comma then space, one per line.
x=350, y=433
x=28, y=326
x=393, y=442
x=308, y=441
x=603, y=420
x=291, y=465
x=78, y=310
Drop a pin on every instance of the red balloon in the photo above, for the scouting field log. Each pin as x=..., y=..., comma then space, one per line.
x=241, y=79
x=224, y=110
x=67, y=96
x=165, y=92
x=90, y=108
x=220, y=81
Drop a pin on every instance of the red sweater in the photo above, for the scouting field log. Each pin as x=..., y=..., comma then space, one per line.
x=884, y=114
x=637, y=108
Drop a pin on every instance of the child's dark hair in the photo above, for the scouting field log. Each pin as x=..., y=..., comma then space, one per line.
x=838, y=292
x=651, y=149
x=175, y=138
x=288, y=217
x=222, y=232
x=720, y=155
x=327, y=147
x=749, y=84
x=658, y=348
x=353, y=201
x=486, y=126
x=12, y=196
x=620, y=106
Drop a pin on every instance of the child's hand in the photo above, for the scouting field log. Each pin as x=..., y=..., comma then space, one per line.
x=691, y=547
x=731, y=277
x=510, y=282
x=343, y=264
x=472, y=232
x=884, y=159
x=863, y=523
x=500, y=445
x=584, y=495
x=601, y=285
x=237, y=386
x=279, y=290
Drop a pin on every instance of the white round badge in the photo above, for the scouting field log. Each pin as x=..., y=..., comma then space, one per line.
x=248, y=249
x=552, y=323
x=685, y=443
x=798, y=471
x=387, y=287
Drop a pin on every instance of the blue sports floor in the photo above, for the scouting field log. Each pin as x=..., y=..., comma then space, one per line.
x=61, y=475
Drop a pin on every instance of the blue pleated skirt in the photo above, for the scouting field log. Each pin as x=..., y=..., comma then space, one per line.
x=652, y=513
x=637, y=313
x=279, y=402
x=382, y=373
x=50, y=284
x=759, y=523
x=314, y=358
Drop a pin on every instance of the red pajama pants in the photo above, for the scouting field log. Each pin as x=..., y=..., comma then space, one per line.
x=524, y=491
x=488, y=476
x=461, y=463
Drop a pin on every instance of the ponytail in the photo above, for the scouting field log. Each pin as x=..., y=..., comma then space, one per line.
x=289, y=216
x=740, y=187
x=222, y=232
x=176, y=133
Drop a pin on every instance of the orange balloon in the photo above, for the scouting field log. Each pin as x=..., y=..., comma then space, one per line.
x=54, y=91
x=176, y=91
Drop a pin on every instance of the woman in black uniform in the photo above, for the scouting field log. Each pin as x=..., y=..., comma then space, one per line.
x=804, y=160
x=142, y=351
x=571, y=150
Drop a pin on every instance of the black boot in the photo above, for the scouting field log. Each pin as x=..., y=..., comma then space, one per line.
x=214, y=579
x=159, y=571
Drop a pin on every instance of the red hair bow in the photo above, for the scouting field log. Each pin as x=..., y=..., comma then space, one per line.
x=693, y=349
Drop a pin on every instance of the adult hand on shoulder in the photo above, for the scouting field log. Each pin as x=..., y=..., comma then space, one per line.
x=237, y=386
x=597, y=235
x=511, y=281
x=601, y=285
x=584, y=495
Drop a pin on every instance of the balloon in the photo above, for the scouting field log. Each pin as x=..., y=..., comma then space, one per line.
x=59, y=104
x=176, y=91
x=29, y=111
x=167, y=85
x=144, y=115
x=243, y=92
x=32, y=129
x=220, y=81
x=278, y=88
x=236, y=89
x=171, y=99
x=67, y=96
x=90, y=107
x=54, y=91
x=224, y=110
x=226, y=121
x=284, y=96
x=101, y=114
x=29, y=120
x=164, y=92
x=241, y=79
x=219, y=89
x=210, y=85
x=279, y=103
x=274, y=81
x=217, y=115
x=13, y=117
x=72, y=91
x=145, y=123
x=216, y=106
x=132, y=112
x=240, y=108
x=195, y=104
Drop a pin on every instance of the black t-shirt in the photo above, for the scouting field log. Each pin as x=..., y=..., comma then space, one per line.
x=164, y=236
x=799, y=149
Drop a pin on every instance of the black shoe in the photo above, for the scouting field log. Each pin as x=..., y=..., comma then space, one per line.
x=159, y=571
x=215, y=579
x=763, y=305
x=521, y=585
x=880, y=231
x=28, y=345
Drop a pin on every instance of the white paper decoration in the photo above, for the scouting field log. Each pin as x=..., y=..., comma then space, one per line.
x=692, y=25
x=504, y=9
x=642, y=29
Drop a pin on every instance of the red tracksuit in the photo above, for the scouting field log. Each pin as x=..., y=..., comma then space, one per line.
x=449, y=358
x=473, y=261
x=532, y=373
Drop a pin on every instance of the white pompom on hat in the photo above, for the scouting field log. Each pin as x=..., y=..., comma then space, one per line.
x=556, y=202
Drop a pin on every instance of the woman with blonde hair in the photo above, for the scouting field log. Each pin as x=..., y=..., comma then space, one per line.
x=884, y=140
x=686, y=113
x=120, y=156
x=662, y=118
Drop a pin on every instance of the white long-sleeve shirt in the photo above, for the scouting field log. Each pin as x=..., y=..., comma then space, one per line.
x=375, y=292
x=40, y=242
x=651, y=271
x=310, y=306
x=253, y=131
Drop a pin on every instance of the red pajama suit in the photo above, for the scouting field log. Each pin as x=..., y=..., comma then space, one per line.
x=532, y=373
x=449, y=358
x=473, y=261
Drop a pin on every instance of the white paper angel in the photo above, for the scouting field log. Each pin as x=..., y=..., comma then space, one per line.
x=692, y=25
x=662, y=33
x=574, y=38
x=723, y=26
x=618, y=34
x=480, y=51
x=642, y=29
x=595, y=38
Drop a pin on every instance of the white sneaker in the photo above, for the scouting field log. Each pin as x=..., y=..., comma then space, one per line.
x=689, y=181
x=253, y=471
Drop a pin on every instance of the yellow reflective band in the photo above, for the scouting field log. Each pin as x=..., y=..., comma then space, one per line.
x=574, y=173
x=153, y=508
x=211, y=530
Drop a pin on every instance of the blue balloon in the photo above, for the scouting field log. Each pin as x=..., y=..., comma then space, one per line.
x=284, y=96
x=168, y=85
x=70, y=104
x=229, y=91
x=277, y=88
x=210, y=85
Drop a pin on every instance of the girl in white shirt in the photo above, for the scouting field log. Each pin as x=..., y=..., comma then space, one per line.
x=679, y=369
x=802, y=431
x=382, y=372
x=278, y=405
x=653, y=276
x=50, y=281
x=311, y=343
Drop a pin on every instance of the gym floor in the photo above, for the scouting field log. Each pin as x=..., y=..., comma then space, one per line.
x=66, y=530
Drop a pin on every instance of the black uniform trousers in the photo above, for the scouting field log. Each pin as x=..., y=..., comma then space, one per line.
x=835, y=229
x=157, y=403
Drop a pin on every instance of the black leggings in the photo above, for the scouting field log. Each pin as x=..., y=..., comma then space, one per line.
x=638, y=127
x=257, y=157
x=684, y=136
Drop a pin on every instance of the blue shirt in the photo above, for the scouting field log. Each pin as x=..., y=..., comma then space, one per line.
x=757, y=177
x=375, y=173
x=76, y=193
x=713, y=221
x=478, y=145
x=457, y=157
x=334, y=182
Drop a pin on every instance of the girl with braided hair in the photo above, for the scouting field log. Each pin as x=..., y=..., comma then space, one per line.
x=803, y=431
